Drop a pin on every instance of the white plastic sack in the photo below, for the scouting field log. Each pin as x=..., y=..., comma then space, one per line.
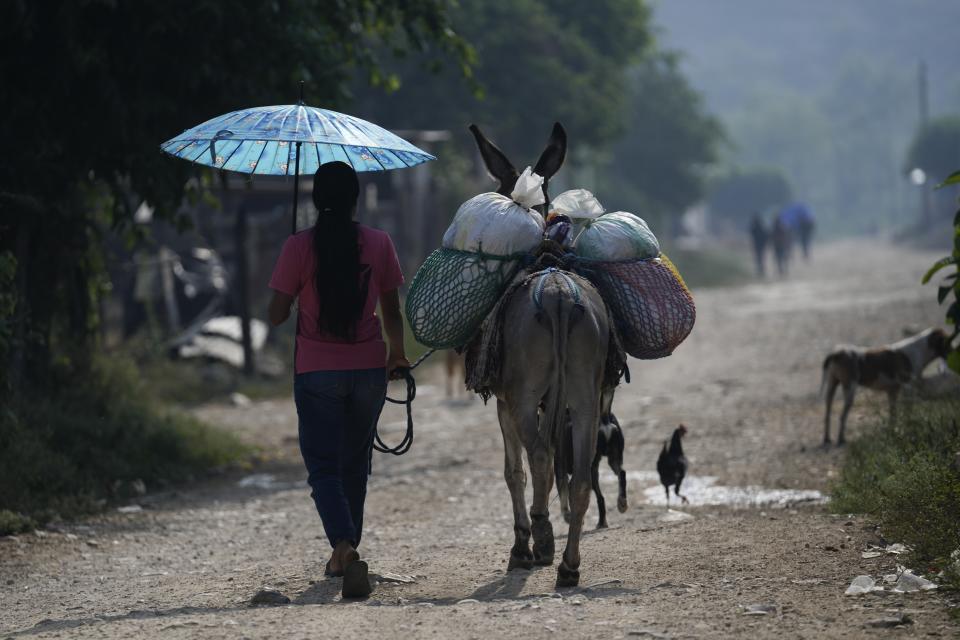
x=494, y=224
x=528, y=191
x=617, y=236
x=577, y=204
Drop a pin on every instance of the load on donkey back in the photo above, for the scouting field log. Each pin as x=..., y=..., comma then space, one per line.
x=546, y=301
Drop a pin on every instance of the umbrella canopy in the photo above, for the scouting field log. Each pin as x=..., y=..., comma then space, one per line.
x=263, y=141
x=292, y=140
x=796, y=214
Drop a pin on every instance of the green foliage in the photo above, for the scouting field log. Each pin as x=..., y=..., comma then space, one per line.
x=639, y=134
x=8, y=306
x=657, y=165
x=906, y=475
x=936, y=148
x=950, y=284
x=537, y=61
x=953, y=178
x=788, y=133
x=838, y=117
x=710, y=267
x=13, y=523
x=66, y=450
x=741, y=193
x=92, y=88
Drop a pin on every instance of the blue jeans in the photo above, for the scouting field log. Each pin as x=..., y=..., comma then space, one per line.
x=338, y=413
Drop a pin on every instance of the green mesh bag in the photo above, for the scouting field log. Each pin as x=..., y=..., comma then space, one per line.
x=453, y=292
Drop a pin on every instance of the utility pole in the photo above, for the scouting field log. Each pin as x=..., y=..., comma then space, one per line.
x=924, y=112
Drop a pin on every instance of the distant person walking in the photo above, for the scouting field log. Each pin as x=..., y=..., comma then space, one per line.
x=339, y=270
x=759, y=238
x=805, y=231
x=800, y=224
x=780, y=236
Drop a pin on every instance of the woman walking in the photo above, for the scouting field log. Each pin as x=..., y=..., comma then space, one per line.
x=339, y=270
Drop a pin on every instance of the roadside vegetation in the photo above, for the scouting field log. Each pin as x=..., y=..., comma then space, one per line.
x=711, y=267
x=907, y=472
x=102, y=439
x=907, y=475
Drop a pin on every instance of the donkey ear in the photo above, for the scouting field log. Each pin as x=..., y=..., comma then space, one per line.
x=552, y=157
x=497, y=163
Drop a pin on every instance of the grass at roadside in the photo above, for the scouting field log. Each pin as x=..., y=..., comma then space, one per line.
x=66, y=453
x=907, y=475
x=711, y=267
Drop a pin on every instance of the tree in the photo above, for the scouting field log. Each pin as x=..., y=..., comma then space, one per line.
x=538, y=61
x=92, y=88
x=936, y=148
x=950, y=285
x=657, y=166
x=742, y=193
x=639, y=134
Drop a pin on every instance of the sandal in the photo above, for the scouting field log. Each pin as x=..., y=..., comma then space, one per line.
x=356, y=581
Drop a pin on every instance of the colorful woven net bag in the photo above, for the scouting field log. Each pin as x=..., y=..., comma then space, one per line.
x=651, y=305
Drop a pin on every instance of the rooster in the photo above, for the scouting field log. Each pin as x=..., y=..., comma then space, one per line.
x=672, y=464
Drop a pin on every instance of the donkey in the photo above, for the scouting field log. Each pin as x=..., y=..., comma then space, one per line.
x=556, y=333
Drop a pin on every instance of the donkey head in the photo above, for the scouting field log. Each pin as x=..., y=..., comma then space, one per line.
x=501, y=169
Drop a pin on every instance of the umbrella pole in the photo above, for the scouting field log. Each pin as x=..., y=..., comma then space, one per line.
x=296, y=174
x=296, y=188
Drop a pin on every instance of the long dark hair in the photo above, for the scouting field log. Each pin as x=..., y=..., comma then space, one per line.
x=336, y=250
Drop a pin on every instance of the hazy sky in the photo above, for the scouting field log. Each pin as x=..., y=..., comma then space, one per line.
x=732, y=46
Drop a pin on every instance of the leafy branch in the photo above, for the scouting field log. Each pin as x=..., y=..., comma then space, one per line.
x=951, y=282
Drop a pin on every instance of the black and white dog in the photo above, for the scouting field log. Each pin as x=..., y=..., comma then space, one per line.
x=610, y=445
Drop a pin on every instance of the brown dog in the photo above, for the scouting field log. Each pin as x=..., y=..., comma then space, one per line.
x=882, y=369
x=456, y=370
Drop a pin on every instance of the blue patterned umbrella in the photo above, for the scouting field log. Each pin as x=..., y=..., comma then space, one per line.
x=292, y=140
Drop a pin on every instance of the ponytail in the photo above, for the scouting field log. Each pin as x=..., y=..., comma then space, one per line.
x=336, y=250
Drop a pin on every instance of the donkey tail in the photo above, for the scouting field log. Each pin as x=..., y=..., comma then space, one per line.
x=555, y=404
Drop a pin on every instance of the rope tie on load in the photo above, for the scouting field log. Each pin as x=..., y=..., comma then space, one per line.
x=538, y=292
x=407, y=442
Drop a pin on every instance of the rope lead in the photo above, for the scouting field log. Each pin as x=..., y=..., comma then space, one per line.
x=407, y=440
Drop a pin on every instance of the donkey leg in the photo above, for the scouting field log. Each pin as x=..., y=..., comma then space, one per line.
x=520, y=556
x=563, y=493
x=541, y=470
x=584, y=448
x=831, y=391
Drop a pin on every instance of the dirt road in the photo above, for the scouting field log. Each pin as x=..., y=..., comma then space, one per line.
x=745, y=384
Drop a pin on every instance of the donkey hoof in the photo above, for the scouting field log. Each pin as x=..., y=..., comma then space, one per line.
x=543, y=557
x=543, y=548
x=622, y=505
x=567, y=577
x=602, y=524
x=520, y=562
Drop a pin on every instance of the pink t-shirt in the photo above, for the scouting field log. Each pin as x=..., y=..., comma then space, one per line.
x=294, y=275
